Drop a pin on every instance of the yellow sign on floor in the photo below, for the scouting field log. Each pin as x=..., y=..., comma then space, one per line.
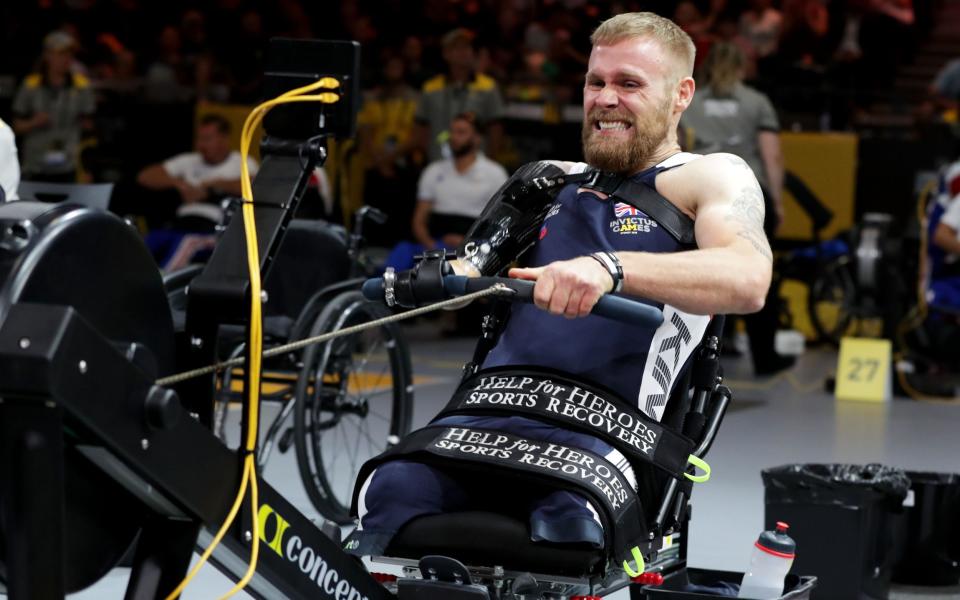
x=863, y=370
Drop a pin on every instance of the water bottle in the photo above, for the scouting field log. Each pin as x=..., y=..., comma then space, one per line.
x=769, y=564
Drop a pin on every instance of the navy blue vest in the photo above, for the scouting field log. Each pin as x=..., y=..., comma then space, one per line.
x=609, y=353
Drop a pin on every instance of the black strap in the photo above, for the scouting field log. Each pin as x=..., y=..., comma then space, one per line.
x=646, y=199
x=519, y=461
x=511, y=391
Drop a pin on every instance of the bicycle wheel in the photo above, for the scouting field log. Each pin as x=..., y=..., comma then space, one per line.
x=831, y=301
x=354, y=399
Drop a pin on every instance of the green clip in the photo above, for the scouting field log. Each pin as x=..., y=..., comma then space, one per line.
x=637, y=558
x=702, y=464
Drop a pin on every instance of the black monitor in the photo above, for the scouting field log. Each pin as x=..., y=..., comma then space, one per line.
x=294, y=63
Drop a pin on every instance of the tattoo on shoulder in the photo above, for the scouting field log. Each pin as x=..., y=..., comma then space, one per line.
x=746, y=212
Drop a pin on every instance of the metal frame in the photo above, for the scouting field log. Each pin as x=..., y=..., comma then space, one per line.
x=139, y=434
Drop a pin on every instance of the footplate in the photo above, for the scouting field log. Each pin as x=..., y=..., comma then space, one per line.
x=443, y=579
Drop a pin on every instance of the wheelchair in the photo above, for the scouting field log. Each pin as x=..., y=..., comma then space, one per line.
x=926, y=337
x=483, y=554
x=882, y=277
x=348, y=398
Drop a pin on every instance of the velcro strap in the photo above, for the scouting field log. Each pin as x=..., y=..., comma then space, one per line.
x=520, y=461
x=576, y=406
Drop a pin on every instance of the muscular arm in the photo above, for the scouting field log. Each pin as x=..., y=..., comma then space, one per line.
x=231, y=187
x=155, y=177
x=731, y=270
x=729, y=273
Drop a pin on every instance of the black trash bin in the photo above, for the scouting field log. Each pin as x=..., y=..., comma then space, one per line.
x=930, y=552
x=845, y=520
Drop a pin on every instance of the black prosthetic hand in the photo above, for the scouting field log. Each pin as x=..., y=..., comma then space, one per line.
x=422, y=284
x=511, y=220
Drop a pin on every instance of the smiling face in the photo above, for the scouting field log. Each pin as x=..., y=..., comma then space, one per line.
x=633, y=96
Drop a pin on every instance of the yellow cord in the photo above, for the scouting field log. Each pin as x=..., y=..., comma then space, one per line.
x=255, y=343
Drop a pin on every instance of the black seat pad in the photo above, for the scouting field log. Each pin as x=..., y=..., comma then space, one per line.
x=488, y=539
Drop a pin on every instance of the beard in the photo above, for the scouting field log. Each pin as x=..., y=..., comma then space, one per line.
x=624, y=156
x=462, y=149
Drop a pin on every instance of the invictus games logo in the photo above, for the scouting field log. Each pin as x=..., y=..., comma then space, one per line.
x=630, y=220
x=275, y=533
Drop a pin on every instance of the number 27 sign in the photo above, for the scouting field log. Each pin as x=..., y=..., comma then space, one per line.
x=863, y=370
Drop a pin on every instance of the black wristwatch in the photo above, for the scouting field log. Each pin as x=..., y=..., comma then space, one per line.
x=611, y=263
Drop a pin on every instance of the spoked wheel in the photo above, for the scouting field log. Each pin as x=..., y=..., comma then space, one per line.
x=354, y=399
x=831, y=302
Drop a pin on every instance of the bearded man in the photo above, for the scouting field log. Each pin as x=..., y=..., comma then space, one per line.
x=683, y=232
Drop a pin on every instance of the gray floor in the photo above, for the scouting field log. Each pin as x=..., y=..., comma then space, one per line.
x=787, y=419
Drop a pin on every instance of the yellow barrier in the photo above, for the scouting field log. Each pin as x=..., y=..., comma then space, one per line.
x=827, y=164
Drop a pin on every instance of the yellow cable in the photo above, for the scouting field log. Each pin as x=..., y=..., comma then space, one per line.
x=255, y=342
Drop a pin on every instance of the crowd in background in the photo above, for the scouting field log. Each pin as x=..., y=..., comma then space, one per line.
x=142, y=69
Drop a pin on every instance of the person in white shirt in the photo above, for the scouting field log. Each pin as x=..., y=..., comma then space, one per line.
x=9, y=164
x=202, y=178
x=452, y=192
x=451, y=195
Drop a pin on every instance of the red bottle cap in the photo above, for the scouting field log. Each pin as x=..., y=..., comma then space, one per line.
x=778, y=543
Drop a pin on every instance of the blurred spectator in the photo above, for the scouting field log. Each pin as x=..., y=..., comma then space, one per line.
x=533, y=82
x=761, y=24
x=385, y=124
x=198, y=58
x=727, y=116
x=245, y=59
x=804, y=38
x=727, y=29
x=193, y=33
x=9, y=165
x=51, y=110
x=461, y=89
x=412, y=52
x=295, y=22
x=886, y=38
x=167, y=78
x=944, y=231
x=691, y=21
x=452, y=193
x=199, y=179
x=945, y=89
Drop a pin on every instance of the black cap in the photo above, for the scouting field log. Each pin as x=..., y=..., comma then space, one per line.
x=778, y=542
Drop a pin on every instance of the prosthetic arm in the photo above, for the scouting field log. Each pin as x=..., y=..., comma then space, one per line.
x=507, y=227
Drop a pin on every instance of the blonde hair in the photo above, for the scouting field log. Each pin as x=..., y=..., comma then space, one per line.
x=627, y=26
x=723, y=68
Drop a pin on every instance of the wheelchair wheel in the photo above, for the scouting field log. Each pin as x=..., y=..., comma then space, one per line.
x=831, y=301
x=354, y=399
